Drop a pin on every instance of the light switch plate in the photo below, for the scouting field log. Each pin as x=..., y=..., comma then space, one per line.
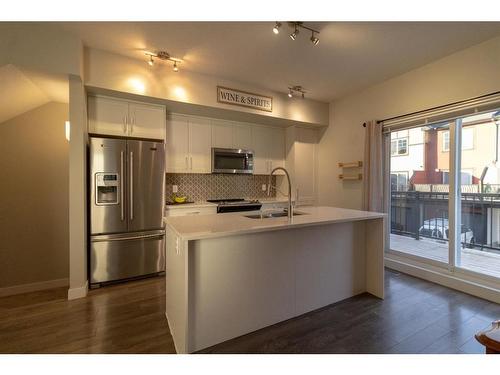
x=175, y=188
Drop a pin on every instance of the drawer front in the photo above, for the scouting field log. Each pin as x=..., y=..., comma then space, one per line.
x=193, y=211
x=123, y=258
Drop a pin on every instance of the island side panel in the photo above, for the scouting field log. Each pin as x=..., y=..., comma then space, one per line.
x=375, y=248
x=176, y=307
x=330, y=264
x=239, y=284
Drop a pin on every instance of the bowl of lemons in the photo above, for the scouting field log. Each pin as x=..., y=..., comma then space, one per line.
x=178, y=199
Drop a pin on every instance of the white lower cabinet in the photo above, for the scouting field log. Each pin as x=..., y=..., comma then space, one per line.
x=190, y=210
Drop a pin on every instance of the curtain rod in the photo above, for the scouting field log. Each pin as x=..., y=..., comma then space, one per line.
x=434, y=108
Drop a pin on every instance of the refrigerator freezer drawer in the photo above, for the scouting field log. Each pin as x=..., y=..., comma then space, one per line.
x=121, y=257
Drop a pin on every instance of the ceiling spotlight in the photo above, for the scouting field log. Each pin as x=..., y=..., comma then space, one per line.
x=314, y=40
x=293, y=35
x=296, y=90
x=151, y=61
x=276, y=28
x=176, y=69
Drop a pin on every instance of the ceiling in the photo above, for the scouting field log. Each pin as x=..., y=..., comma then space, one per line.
x=349, y=57
x=27, y=90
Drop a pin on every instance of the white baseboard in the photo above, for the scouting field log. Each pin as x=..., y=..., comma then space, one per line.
x=81, y=292
x=33, y=287
x=462, y=283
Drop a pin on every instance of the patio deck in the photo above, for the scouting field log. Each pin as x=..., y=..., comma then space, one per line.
x=475, y=260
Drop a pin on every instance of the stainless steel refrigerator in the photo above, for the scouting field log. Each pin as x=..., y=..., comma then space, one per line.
x=126, y=208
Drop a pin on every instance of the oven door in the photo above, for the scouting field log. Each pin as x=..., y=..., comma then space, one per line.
x=225, y=160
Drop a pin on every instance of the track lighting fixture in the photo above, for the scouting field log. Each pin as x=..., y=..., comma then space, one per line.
x=296, y=26
x=314, y=40
x=162, y=55
x=296, y=89
x=276, y=28
x=293, y=35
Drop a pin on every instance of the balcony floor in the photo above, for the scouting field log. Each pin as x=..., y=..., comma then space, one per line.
x=484, y=262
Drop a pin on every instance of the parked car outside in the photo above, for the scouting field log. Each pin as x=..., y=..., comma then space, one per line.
x=438, y=228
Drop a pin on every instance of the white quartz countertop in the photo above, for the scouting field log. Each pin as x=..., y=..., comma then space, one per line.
x=231, y=224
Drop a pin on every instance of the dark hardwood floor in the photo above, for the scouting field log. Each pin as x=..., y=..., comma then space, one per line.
x=416, y=317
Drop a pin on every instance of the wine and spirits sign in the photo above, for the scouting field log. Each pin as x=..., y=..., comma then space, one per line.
x=245, y=99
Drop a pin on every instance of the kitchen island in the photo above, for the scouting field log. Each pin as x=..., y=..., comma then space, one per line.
x=229, y=274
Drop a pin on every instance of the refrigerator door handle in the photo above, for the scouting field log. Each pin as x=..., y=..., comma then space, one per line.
x=131, y=185
x=145, y=236
x=122, y=203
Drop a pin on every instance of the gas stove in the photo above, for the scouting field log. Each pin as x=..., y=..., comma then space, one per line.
x=235, y=205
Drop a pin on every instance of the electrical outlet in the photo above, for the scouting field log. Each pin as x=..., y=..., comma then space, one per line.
x=175, y=188
x=264, y=187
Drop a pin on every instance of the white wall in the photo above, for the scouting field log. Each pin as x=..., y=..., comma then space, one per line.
x=469, y=73
x=77, y=189
x=114, y=72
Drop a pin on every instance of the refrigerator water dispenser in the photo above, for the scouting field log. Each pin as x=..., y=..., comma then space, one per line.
x=107, y=185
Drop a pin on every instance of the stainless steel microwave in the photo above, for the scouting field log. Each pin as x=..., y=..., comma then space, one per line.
x=230, y=160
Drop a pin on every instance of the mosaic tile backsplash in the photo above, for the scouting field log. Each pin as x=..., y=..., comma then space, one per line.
x=200, y=187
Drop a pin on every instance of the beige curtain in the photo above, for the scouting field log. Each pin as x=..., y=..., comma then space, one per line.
x=373, y=179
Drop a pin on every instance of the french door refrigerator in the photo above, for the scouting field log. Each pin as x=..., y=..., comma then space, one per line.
x=126, y=209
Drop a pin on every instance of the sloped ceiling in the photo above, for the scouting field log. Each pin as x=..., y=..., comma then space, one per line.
x=24, y=90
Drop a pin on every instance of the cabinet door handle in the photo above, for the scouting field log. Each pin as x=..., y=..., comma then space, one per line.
x=191, y=162
x=132, y=123
x=186, y=162
x=131, y=185
x=122, y=203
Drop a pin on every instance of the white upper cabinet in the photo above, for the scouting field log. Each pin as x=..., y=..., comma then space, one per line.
x=261, y=144
x=200, y=146
x=107, y=116
x=269, y=149
x=177, y=144
x=190, y=140
x=147, y=121
x=277, y=149
x=189, y=145
x=222, y=134
x=110, y=116
x=242, y=136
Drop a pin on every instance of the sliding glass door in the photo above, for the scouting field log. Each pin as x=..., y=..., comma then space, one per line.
x=479, y=249
x=445, y=193
x=419, y=193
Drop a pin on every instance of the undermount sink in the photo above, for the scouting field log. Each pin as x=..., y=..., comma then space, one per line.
x=273, y=214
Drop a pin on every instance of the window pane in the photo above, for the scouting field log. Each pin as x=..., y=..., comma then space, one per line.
x=480, y=187
x=419, y=194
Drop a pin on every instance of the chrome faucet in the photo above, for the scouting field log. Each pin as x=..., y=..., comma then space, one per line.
x=269, y=187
